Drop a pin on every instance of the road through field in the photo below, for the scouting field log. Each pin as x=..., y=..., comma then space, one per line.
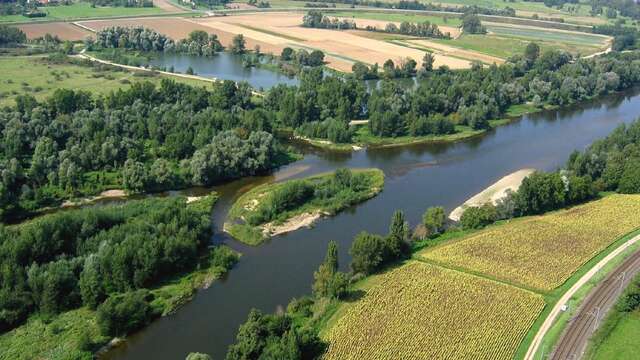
x=577, y=337
x=574, y=340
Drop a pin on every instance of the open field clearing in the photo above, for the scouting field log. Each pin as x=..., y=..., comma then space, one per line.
x=423, y=311
x=542, y=252
x=441, y=21
x=551, y=35
x=446, y=50
x=34, y=76
x=65, y=31
x=84, y=10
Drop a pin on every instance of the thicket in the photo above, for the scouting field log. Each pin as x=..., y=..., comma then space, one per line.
x=315, y=19
x=340, y=190
x=11, y=36
x=423, y=29
x=83, y=257
x=146, y=138
x=198, y=42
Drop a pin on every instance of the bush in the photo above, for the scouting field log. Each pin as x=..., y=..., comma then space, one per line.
x=478, y=217
x=123, y=313
x=433, y=220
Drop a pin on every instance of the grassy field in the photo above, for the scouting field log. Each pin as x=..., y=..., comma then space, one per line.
x=422, y=311
x=621, y=343
x=542, y=252
x=252, y=202
x=82, y=10
x=35, y=76
x=395, y=17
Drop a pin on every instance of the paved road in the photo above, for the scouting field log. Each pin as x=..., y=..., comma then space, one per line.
x=537, y=340
x=573, y=341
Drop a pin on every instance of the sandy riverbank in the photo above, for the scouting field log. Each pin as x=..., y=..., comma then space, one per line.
x=292, y=224
x=103, y=195
x=493, y=193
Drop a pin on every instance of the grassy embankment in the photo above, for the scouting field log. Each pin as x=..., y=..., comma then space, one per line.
x=277, y=208
x=82, y=10
x=75, y=333
x=40, y=78
x=465, y=253
x=617, y=337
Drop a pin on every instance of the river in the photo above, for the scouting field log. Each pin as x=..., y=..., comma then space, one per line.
x=417, y=177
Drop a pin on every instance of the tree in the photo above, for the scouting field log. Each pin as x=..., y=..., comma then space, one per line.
x=367, y=253
x=238, y=44
x=433, y=220
x=427, y=61
x=328, y=282
x=316, y=58
x=134, y=176
x=471, y=24
x=531, y=52
x=630, y=180
x=121, y=314
x=287, y=54
x=478, y=217
x=198, y=356
x=397, y=237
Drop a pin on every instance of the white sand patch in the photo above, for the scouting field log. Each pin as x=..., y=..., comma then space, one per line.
x=493, y=193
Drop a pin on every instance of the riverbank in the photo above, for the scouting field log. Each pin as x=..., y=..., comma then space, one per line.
x=277, y=208
x=77, y=332
x=493, y=193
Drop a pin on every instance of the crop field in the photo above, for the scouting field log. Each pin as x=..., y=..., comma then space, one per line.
x=64, y=30
x=551, y=35
x=542, y=252
x=84, y=10
x=423, y=311
x=34, y=76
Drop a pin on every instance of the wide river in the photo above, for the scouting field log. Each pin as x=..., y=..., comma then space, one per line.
x=417, y=177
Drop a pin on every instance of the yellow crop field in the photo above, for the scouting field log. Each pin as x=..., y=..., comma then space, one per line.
x=542, y=252
x=423, y=311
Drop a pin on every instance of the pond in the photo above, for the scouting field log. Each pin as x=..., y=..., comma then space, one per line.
x=417, y=177
x=222, y=66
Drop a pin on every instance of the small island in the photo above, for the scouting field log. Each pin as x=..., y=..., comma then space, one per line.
x=272, y=209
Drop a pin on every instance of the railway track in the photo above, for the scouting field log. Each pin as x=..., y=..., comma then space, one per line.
x=573, y=342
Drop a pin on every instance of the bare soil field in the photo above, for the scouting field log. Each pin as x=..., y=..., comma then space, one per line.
x=166, y=5
x=64, y=30
x=283, y=29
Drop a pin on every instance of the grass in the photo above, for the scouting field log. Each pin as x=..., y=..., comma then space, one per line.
x=35, y=76
x=252, y=202
x=540, y=252
x=415, y=311
x=451, y=20
x=620, y=343
x=82, y=10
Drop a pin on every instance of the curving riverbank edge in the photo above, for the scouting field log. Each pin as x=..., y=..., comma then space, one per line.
x=493, y=193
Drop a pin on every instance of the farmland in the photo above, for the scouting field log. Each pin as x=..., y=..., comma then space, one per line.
x=542, y=252
x=40, y=78
x=64, y=30
x=422, y=311
x=81, y=10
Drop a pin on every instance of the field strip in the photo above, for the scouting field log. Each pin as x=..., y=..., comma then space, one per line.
x=271, y=32
x=538, y=28
x=457, y=52
x=537, y=340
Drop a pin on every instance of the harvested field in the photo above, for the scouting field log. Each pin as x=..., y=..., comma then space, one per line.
x=542, y=252
x=423, y=311
x=167, y=5
x=64, y=30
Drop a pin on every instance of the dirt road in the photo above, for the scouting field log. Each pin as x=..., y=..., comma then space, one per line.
x=574, y=340
x=535, y=344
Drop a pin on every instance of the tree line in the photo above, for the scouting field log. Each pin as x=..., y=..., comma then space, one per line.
x=96, y=257
x=198, y=42
x=416, y=5
x=145, y=138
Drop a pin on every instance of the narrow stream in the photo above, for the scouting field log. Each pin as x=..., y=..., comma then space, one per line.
x=417, y=177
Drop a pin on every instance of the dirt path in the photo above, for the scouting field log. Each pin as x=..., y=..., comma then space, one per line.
x=578, y=331
x=575, y=337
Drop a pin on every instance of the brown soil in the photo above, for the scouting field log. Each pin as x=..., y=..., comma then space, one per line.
x=63, y=30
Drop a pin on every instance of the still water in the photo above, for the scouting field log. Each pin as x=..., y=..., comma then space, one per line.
x=417, y=177
x=223, y=66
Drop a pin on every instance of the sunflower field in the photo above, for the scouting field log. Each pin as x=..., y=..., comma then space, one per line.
x=542, y=252
x=423, y=311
